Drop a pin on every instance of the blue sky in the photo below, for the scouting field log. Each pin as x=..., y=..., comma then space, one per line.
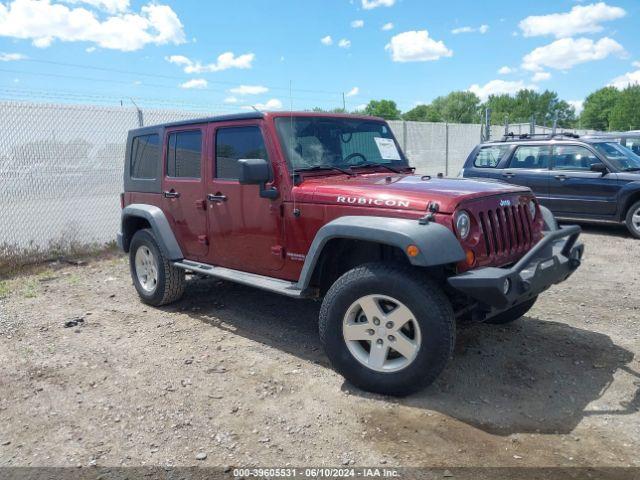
x=227, y=55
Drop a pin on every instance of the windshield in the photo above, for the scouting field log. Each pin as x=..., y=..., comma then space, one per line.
x=329, y=142
x=620, y=156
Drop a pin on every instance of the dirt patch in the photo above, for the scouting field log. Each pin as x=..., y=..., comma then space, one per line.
x=239, y=374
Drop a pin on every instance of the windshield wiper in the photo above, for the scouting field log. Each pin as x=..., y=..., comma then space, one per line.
x=373, y=164
x=325, y=167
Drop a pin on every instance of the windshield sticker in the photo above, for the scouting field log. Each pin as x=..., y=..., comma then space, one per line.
x=387, y=148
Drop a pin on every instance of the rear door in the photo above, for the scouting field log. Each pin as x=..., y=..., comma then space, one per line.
x=574, y=189
x=183, y=190
x=245, y=229
x=529, y=166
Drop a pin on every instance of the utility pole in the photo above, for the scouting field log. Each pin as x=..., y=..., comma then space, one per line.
x=344, y=103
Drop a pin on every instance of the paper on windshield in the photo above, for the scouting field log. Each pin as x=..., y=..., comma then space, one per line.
x=387, y=148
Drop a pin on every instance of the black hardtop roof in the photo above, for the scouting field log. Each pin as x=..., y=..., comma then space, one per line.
x=217, y=118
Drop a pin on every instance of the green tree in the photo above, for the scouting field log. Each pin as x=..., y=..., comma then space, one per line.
x=423, y=113
x=386, y=109
x=458, y=107
x=625, y=114
x=525, y=103
x=597, y=108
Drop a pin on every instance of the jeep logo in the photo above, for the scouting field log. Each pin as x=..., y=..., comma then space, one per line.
x=505, y=203
x=373, y=201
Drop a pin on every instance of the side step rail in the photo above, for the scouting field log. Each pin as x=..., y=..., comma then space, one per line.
x=269, y=284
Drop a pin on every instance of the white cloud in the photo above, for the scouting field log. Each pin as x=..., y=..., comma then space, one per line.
x=344, y=43
x=357, y=24
x=249, y=90
x=353, y=92
x=388, y=26
x=541, y=77
x=225, y=61
x=578, y=105
x=111, y=6
x=416, y=46
x=623, y=81
x=581, y=19
x=327, y=40
x=481, y=29
x=499, y=87
x=198, y=83
x=11, y=57
x=636, y=64
x=43, y=22
x=505, y=70
x=369, y=4
x=273, y=104
x=231, y=100
x=566, y=53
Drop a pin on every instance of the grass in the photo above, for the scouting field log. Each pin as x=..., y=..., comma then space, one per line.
x=5, y=289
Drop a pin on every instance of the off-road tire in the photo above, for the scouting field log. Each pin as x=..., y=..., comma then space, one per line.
x=635, y=208
x=512, y=314
x=430, y=307
x=171, y=280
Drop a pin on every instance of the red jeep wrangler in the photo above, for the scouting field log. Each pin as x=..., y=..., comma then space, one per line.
x=326, y=206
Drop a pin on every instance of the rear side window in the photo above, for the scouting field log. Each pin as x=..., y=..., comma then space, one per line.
x=533, y=157
x=184, y=154
x=489, y=157
x=233, y=144
x=145, y=153
x=633, y=144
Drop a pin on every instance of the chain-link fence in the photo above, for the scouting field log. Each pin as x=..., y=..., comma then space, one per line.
x=61, y=170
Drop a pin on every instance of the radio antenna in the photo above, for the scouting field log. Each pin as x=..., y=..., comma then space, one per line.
x=293, y=168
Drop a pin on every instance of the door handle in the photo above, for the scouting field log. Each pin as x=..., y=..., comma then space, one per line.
x=508, y=174
x=218, y=197
x=562, y=178
x=171, y=194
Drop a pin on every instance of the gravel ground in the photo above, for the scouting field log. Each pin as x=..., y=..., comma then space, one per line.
x=234, y=376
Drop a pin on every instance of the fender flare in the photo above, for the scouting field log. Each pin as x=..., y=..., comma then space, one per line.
x=159, y=225
x=550, y=223
x=437, y=244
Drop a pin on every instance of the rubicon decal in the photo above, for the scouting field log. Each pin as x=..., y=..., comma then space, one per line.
x=389, y=202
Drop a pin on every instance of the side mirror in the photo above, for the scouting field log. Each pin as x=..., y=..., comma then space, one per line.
x=255, y=171
x=600, y=168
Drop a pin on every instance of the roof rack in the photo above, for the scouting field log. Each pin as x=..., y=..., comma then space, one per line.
x=537, y=136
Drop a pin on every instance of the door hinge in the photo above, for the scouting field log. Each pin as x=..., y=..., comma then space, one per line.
x=203, y=239
x=278, y=250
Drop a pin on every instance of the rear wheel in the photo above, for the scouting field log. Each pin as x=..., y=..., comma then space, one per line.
x=387, y=329
x=512, y=314
x=633, y=220
x=156, y=280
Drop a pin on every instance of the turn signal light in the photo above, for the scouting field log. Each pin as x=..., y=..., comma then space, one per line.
x=413, y=251
x=471, y=258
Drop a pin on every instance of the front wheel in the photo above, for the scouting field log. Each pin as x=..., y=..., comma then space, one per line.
x=387, y=328
x=633, y=220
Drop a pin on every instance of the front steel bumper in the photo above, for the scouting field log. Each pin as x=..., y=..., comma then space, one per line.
x=552, y=260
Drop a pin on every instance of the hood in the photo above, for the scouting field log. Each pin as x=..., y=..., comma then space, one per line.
x=405, y=192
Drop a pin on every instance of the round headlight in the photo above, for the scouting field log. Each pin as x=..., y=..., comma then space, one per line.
x=463, y=224
x=532, y=209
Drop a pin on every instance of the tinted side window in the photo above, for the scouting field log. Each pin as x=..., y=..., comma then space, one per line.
x=233, y=144
x=573, y=157
x=184, y=154
x=634, y=145
x=489, y=157
x=145, y=154
x=533, y=157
